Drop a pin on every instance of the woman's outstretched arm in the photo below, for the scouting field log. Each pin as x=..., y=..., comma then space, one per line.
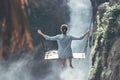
x=81, y=37
x=53, y=38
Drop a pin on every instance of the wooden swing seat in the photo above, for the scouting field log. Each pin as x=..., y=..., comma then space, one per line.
x=53, y=54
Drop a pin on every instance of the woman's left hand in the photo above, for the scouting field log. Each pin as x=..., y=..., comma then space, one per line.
x=88, y=31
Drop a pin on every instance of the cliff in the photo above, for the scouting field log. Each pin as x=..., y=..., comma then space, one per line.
x=105, y=53
x=14, y=28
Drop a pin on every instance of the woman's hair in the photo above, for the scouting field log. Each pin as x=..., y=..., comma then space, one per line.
x=64, y=28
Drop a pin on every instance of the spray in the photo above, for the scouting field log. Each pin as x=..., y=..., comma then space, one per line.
x=80, y=18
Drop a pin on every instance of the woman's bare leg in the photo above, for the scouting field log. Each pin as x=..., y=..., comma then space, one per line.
x=63, y=63
x=70, y=62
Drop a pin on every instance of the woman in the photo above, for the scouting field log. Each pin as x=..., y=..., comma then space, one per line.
x=64, y=43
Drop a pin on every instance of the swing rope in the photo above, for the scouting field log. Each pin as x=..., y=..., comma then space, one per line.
x=88, y=37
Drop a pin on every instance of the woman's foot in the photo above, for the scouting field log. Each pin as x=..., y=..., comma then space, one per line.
x=71, y=66
x=70, y=62
x=62, y=66
x=63, y=63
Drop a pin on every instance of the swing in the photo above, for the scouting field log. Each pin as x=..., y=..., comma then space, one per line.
x=53, y=54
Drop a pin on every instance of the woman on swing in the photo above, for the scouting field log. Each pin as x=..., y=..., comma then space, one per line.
x=64, y=43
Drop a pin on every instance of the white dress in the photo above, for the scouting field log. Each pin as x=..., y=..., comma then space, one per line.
x=64, y=44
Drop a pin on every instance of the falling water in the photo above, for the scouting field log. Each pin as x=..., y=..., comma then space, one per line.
x=81, y=11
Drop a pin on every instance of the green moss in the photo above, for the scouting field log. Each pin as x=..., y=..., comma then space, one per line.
x=103, y=73
x=107, y=27
x=94, y=68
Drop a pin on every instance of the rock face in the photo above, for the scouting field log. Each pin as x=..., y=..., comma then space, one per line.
x=113, y=72
x=106, y=49
x=14, y=28
x=112, y=2
x=19, y=31
x=48, y=17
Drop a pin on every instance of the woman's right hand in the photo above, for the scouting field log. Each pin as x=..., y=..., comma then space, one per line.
x=40, y=32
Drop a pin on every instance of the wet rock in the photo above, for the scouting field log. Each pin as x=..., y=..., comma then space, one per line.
x=113, y=72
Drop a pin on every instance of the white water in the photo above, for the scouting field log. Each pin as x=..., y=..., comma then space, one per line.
x=81, y=12
x=14, y=71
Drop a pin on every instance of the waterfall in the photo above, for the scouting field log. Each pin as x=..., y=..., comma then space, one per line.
x=80, y=18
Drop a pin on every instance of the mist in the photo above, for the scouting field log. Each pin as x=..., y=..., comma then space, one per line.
x=14, y=71
x=80, y=18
